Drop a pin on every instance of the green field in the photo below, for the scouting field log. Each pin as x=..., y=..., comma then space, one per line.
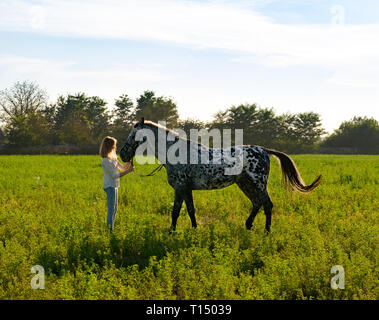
x=53, y=214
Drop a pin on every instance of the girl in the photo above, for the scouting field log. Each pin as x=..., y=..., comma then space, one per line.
x=110, y=164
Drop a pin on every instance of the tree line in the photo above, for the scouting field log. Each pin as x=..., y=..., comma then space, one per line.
x=28, y=120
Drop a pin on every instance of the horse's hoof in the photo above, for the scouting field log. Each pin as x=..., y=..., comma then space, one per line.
x=249, y=226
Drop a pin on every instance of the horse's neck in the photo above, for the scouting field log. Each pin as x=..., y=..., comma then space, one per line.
x=162, y=133
x=162, y=143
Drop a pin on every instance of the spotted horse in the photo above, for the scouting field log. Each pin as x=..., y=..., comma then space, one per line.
x=188, y=176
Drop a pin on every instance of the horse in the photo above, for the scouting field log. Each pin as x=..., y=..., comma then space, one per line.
x=184, y=177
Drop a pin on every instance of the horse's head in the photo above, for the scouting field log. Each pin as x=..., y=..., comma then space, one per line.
x=129, y=149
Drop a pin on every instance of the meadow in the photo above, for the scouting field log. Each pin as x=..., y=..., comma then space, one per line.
x=53, y=214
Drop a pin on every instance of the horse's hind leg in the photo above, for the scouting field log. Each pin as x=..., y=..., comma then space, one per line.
x=254, y=212
x=267, y=205
x=258, y=198
x=179, y=197
x=264, y=199
x=188, y=198
x=250, y=191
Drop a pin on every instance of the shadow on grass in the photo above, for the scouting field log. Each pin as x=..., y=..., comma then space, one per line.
x=95, y=251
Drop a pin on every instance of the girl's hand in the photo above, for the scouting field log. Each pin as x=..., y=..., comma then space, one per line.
x=131, y=168
x=127, y=165
x=126, y=171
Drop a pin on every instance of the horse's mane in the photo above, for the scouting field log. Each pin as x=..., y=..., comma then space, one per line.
x=159, y=126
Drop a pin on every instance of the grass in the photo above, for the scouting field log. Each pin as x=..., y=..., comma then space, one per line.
x=53, y=214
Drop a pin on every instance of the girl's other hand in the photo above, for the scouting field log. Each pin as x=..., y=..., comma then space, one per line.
x=127, y=165
x=127, y=169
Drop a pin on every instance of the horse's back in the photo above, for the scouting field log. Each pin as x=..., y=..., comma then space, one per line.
x=217, y=172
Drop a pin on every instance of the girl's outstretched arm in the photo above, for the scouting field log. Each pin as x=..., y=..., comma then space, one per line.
x=127, y=165
x=129, y=169
x=123, y=167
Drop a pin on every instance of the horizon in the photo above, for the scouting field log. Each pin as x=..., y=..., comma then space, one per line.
x=292, y=56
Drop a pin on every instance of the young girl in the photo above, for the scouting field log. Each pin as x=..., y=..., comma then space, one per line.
x=110, y=166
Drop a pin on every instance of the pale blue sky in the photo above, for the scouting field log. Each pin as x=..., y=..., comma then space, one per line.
x=294, y=56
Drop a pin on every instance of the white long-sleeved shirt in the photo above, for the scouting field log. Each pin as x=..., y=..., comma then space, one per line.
x=111, y=174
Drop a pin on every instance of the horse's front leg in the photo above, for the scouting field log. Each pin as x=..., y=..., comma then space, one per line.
x=179, y=197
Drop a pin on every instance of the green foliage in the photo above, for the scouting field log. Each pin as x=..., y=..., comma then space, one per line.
x=294, y=133
x=361, y=134
x=79, y=119
x=123, y=118
x=53, y=213
x=156, y=109
x=190, y=124
x=21, y=111
x=299, y=133
x=28, y=130
x=124, y=113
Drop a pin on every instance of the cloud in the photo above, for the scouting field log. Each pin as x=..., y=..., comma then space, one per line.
x=233, y=26
x=329, y=68
x=66, y=76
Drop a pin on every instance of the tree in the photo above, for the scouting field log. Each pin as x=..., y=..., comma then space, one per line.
x=259, y=124
x=123, y=119
x=360, y=134
x=293, y=133
x=28, y=130
x=97, y=116
x=299, y=133
x=79, y=119
x=125, y=111
x=21, y=99
x=2, y=136
x=236, y=117
x=188, y=124
x=145, y=105
x=157, y=109
x=21, y=110
x=75, y=131
x=265, y=128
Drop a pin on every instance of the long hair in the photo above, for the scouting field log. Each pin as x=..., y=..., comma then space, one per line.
x=291, y=174
x=108, y=148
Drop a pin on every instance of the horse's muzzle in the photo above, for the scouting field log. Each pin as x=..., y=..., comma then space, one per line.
x=125, y=155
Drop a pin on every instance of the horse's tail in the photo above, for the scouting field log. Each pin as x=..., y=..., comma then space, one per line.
x=291, y=175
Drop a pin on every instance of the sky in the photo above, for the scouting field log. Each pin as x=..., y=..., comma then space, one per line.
x=289, y=55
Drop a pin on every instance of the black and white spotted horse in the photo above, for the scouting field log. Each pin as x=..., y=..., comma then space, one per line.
x=252, y=180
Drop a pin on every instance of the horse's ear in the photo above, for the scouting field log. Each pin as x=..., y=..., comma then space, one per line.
x=140, y=123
